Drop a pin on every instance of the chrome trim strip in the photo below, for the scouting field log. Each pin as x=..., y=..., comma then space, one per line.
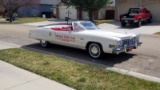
x=127, y=18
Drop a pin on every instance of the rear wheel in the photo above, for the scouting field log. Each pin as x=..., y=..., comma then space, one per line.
x=44, y=43
x=123, y=24
x=95, y=50
x=139, y=23
x=150, y=20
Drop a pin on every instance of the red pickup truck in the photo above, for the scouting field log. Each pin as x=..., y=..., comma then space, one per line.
x=136, y=16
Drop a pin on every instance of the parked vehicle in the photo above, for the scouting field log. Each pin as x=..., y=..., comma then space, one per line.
x=86, y=35
x=136, y=16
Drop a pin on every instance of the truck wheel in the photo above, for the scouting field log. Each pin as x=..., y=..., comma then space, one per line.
x=139, y=24
x=123, y=24
x=44, y=43
x=95, y=50
x=150, y=20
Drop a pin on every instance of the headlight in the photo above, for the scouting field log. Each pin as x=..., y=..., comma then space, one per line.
x=133, y=41
x=119, y=44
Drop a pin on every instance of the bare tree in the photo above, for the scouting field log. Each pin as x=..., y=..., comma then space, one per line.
x=11, y=6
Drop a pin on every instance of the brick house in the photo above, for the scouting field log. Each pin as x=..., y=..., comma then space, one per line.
x=61, y=11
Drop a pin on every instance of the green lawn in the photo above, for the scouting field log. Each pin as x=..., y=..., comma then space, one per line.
x=77, y=75
x=158, y=33
x=101, y=21
x=25, y=20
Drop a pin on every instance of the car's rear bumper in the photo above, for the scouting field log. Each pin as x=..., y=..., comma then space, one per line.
x=126, y=49
x=129, y=20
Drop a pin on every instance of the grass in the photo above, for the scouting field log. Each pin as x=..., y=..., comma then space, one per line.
x=25, y=20
x=158, y=33
x=77, y=75
x=100, y=21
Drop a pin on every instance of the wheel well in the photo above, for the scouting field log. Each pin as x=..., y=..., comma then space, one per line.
x=93, y=42
x=139, y=19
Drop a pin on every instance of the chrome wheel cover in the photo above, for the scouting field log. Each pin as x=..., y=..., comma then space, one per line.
x=44, y=43
x=94, y=50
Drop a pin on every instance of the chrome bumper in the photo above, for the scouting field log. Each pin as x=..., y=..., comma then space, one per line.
x=126, y=49
x=129, y=20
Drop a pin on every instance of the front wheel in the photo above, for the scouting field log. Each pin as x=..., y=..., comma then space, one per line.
x=44, y=43
x=95, y=50
x=123, y=24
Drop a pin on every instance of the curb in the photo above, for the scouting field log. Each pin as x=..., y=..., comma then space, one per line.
x=134, y=74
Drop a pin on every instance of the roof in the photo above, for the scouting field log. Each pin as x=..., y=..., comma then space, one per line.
x=49, y=2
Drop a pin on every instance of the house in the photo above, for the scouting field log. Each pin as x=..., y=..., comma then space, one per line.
x=110, y=10
x=45, y=7
x=61, y=11
x=122, y=6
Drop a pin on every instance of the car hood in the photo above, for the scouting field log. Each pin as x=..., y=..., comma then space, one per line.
x=108, y=34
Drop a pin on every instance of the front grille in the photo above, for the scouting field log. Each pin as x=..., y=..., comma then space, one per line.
x=128, y=42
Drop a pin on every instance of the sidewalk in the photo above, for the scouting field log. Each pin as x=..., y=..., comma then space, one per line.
x=13, y=78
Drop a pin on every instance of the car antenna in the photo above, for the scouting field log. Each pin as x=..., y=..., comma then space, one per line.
x=67, y=18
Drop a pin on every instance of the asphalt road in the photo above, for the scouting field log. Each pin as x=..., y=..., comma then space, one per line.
x=146, y=59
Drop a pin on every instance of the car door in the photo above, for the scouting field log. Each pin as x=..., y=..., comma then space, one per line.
x=66, y=37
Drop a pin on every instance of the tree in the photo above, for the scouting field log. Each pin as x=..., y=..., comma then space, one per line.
x=89, y=6
x=11, y=6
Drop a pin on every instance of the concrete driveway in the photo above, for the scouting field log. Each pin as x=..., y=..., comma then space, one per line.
x=144, y=29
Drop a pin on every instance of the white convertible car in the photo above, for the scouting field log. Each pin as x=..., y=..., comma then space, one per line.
x=86, y=35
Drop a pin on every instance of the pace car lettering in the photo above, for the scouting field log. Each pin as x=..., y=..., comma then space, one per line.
x=65, y=38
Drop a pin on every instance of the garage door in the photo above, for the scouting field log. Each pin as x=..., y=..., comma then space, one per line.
x=154, y=9
x=63, y=12
x=85, y=15
x=123, y=8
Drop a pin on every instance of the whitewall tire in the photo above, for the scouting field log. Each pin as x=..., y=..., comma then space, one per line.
x=95, y=50
x=44, y=43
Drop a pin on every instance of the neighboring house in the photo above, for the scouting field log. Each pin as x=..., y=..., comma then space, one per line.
x=110, y=12
x=122, y=6
x=45, y=7
x=61, y=11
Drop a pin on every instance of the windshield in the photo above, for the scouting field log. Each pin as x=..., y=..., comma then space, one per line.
x=134, y=11
x=89, y=25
